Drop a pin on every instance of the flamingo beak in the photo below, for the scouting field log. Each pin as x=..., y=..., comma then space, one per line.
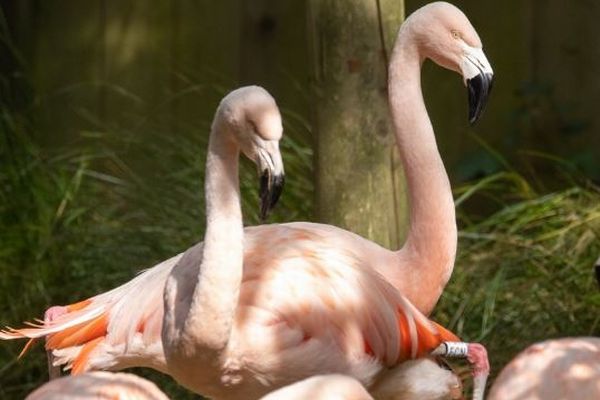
x=478, y=76
x=479, y=90
x=272, y=179
x=271, y=187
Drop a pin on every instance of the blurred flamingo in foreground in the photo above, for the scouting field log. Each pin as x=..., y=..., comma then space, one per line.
x=310, y=298
x=413, y=380
x=99, y=386
x=566, y=368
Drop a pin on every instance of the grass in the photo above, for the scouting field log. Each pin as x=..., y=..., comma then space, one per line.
x=525, y=272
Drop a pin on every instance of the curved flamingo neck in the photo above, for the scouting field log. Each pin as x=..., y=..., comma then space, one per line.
x=216, y=294
x=430, y=247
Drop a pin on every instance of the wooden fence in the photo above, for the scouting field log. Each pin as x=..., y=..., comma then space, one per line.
x=101, y=63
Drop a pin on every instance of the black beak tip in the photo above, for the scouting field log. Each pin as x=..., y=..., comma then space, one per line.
x=479, y=89
x=598, y=273
x=473, y=118
x=271, y=187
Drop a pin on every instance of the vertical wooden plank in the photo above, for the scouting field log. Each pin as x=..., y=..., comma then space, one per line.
x=19, y=17
x=136, y=64
x=206, y=51
x=66, y=67
x=274, y=52
x=567, y=60
x=16, y=50
x=358, y=186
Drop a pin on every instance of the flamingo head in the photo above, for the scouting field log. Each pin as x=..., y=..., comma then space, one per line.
x=444, y=34
x=255, y=123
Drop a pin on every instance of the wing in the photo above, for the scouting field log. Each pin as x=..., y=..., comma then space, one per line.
x=313, y=306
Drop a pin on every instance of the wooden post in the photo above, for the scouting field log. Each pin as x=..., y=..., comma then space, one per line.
x=360, y=185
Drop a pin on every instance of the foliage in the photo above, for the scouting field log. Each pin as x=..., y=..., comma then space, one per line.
x=525, y=272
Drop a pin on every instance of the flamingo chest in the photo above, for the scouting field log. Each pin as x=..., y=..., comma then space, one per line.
x=263, y=356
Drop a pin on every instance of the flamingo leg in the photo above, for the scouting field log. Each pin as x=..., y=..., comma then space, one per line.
x=50, y=315
x=477, y=356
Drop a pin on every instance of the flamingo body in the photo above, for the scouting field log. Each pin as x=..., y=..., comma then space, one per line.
x=358, y=322
x=130, y=325
x=414, y=380
x=98, y=385
x=566, y=368
x=306, y=308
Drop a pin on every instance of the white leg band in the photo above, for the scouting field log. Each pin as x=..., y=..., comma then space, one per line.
x=452, y=349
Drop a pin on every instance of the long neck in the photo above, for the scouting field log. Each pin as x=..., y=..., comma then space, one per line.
x=216, y=294
x=431, y=241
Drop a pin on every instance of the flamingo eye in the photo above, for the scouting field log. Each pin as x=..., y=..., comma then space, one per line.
x=456, y=34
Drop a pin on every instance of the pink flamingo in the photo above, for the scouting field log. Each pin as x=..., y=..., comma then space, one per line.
x=98, y=385
x=567, y=368
x=413, y=380
x=315, y=298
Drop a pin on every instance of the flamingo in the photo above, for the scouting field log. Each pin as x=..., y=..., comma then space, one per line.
x=246, y=313
x=567, y=368
x=312, y=298
x=98, y=385
x=414, y=380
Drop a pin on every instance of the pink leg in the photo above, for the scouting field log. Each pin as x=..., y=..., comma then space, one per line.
x=50, y=315
x=477, y=356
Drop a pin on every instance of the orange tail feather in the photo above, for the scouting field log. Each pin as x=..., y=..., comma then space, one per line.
x=26, y=348
x=78, y=335
x=405, y=344
x=84, y=355
x=78, y=306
